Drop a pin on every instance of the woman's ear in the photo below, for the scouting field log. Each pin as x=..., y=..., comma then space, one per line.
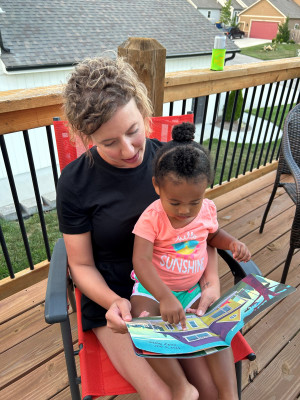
x=156, y=187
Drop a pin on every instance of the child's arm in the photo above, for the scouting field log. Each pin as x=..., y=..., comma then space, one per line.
x=170, y=308
x=209, y=282
x=224, y=241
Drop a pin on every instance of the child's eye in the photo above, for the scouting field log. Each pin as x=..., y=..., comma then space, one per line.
x=174, y=204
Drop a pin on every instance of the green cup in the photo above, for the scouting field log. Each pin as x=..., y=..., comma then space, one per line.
x=218, y=59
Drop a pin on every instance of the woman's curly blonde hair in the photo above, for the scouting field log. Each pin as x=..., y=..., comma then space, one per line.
x=96, y=89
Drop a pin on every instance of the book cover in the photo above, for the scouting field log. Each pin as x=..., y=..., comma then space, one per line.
x=152, y=337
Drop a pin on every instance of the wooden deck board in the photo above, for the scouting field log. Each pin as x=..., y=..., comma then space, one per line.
x=32, y=364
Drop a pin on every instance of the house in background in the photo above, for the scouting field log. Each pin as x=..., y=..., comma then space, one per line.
x=261, y=18
x=211, y=9
x=43, y=39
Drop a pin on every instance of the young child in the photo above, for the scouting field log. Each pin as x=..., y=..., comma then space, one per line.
x=170, y=249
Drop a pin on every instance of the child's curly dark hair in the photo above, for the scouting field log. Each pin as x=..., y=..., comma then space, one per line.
x=183, y=157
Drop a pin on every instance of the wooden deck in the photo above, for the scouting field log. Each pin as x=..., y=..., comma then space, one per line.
x=32, y=362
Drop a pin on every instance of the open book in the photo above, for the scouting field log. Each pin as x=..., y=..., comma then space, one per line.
x=152, y=337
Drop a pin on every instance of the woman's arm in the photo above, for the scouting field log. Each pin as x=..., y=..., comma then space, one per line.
x=170, y=308
x=90, y=281
x=224, y=241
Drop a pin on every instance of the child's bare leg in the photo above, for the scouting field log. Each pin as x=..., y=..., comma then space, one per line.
x=168, y=369
x=221, y=366
x=197, y=372
x=134, y=369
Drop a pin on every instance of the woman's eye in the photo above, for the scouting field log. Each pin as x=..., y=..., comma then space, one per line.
x=133, y=132
x=108, y=144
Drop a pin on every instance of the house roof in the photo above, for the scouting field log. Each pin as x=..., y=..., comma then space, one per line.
x=207, y=4
x=45, y=33
x=287, y=7
x=236, y=5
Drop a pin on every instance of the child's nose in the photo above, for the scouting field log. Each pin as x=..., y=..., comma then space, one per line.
x=184, y=210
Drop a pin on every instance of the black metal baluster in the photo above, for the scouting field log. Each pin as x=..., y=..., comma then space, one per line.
x=237, y=134
x=52, y=154
x=229, y=136
x=195, y=108
x=171, y=109
x=245, y=132
x=16, y=199
x=275, y=120
x=255, y=122
x=221, y=134
x=214, y=121
x=294, y=95
x=6, y=255
x=269, y=120
x=183, y=107
x=260, y=128
x=37, y=192
x=204, y=119
x=281, y=121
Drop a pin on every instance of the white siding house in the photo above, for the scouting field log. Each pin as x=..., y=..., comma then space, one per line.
x=44, y=43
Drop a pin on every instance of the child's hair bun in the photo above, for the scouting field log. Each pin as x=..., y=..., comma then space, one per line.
x=184, y=132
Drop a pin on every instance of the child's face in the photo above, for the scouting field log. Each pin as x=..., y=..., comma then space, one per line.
x=121, y=140
x=181, y=199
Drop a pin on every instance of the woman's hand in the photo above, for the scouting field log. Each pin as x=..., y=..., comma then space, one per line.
x=171, y=310
x=118, y=314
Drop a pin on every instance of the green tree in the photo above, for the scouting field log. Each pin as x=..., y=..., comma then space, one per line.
x=283, y=34
x=225, y=16
x=230, y=104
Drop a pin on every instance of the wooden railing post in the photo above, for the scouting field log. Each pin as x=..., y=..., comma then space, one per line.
x=148, y=58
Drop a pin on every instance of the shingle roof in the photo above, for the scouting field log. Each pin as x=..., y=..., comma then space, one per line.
x=55, y=32
x=249, y=2
x=236, y=5
x=288, y=7
x=207, y=4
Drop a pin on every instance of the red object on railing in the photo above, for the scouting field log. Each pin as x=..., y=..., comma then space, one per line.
x=69, y=151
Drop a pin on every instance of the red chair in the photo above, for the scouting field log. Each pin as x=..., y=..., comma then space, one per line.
x=98, y=375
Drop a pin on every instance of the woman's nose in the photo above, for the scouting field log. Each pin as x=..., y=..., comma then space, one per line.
x=127, y=149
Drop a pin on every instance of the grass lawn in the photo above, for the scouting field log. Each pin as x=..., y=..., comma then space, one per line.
x=11, y=229
x=282, y=50
x=261, y=111
x=14, y=242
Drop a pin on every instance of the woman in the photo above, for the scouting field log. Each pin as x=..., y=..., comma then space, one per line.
x=99, y=199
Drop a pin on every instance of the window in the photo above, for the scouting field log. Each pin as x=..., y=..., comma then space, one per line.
x=297, y=26
x=193, y=338
x=208, y=14
x=193, y=324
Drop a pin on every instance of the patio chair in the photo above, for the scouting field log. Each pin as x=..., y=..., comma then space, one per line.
x=98, y=375
x=289, y=163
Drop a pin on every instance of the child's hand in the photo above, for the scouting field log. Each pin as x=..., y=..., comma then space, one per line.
x=209, y=295
x=239, y=251
x=171, y=310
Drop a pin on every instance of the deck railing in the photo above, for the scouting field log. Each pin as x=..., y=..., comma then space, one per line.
x=270, y=88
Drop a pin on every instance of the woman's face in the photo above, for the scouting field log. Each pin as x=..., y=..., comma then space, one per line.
x=121, y=140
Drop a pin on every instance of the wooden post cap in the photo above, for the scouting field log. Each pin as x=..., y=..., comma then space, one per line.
x=148, y=58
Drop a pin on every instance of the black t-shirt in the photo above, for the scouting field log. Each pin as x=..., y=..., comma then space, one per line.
x=94, y=196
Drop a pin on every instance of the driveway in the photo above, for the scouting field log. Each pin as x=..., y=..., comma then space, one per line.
x=246, y=42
